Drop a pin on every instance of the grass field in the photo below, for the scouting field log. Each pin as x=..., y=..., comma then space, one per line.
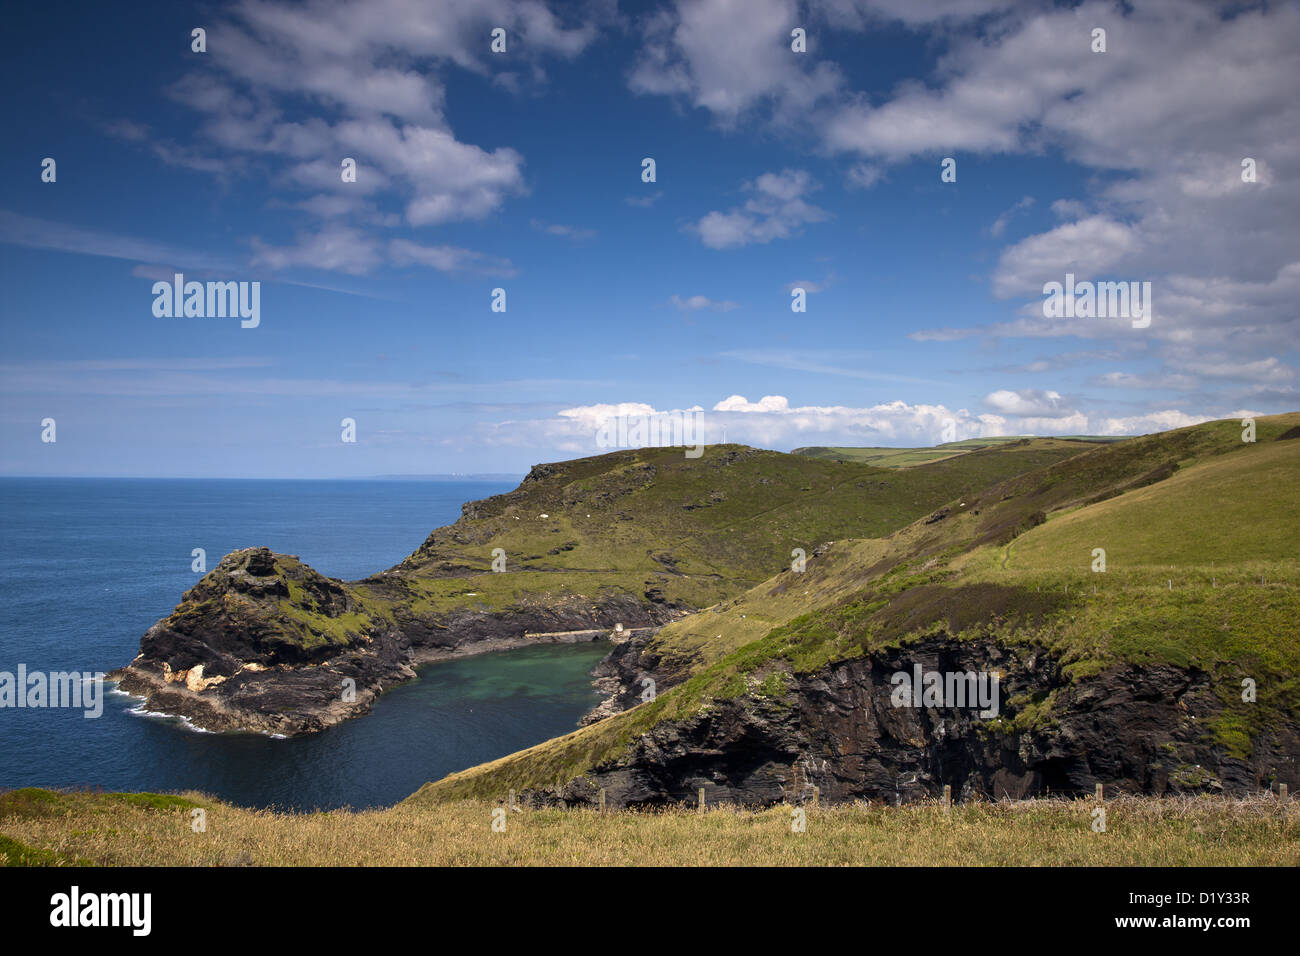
x=39, y=827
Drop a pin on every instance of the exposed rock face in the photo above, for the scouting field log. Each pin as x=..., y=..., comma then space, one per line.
x=265, y=643
x=628, y=673
x=1134, y=729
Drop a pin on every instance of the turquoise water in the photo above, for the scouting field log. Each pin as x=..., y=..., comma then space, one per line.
x=87, y=565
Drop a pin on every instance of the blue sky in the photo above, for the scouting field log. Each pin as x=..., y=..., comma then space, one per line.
x=522, y=170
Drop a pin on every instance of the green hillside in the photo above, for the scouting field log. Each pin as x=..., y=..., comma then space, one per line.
x=910, y=457
x=1230, y=611
x=694, y=530
x=1244, y=507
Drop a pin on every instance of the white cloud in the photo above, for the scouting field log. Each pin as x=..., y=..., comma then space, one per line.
x=334, y=248
x=1000, y=224
x=565, y=232
x=1025, y=402
x=806, y=284
x=772, y=422
x=644, y=202
x=859, y=14
x=1069, y=209
x=768, y=403
x=694, y=303
x=1147, y=423
x=36, y=233
x=339, y=248
x=732, y=57
x=363, y=80
x=1155, y=382
x=446, y=258
x=1163, y=120
x=451, y=180
x=776, y=210
x=864, y=175
x=847, y=363
x=1086, y=248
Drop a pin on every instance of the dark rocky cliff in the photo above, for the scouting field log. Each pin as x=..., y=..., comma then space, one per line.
x=1136, y=729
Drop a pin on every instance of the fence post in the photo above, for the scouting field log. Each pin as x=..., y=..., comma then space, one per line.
x=602, y=799
x=701, y=800
x=1100, y=798
x=947, y=797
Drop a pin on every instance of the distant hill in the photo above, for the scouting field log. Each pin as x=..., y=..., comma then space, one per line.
x=908, y=457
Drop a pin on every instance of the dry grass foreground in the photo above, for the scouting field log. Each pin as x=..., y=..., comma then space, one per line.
x=41, y=827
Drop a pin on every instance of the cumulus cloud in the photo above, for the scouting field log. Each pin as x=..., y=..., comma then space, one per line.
x=361, y=80
x=772, y=422
x=1025, y=402
x=768, y=403
x=1163, y=119
x=776, y=209
x=1086, y=248
x=1069, y=209
x=731, y=57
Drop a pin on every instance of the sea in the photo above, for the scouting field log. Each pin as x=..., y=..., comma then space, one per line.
x=87, y=565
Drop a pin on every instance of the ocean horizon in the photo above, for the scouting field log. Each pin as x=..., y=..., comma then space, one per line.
x=89, y=564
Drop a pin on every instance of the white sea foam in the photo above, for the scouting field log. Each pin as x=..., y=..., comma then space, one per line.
x=141, y=711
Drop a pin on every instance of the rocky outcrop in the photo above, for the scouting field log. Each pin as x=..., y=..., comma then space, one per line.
x=1138, y=729
x=265, y=643
x=629, y=674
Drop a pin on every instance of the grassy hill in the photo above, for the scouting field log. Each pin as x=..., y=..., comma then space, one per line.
x=1228, y=510
x=1007, y=569
x=910, y=457
x=696, y=530
x=263, y=642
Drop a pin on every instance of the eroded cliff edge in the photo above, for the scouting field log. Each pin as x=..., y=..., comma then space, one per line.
x=837, y=732
x=1172, y=668
x=265, y=643
x=639, y=538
